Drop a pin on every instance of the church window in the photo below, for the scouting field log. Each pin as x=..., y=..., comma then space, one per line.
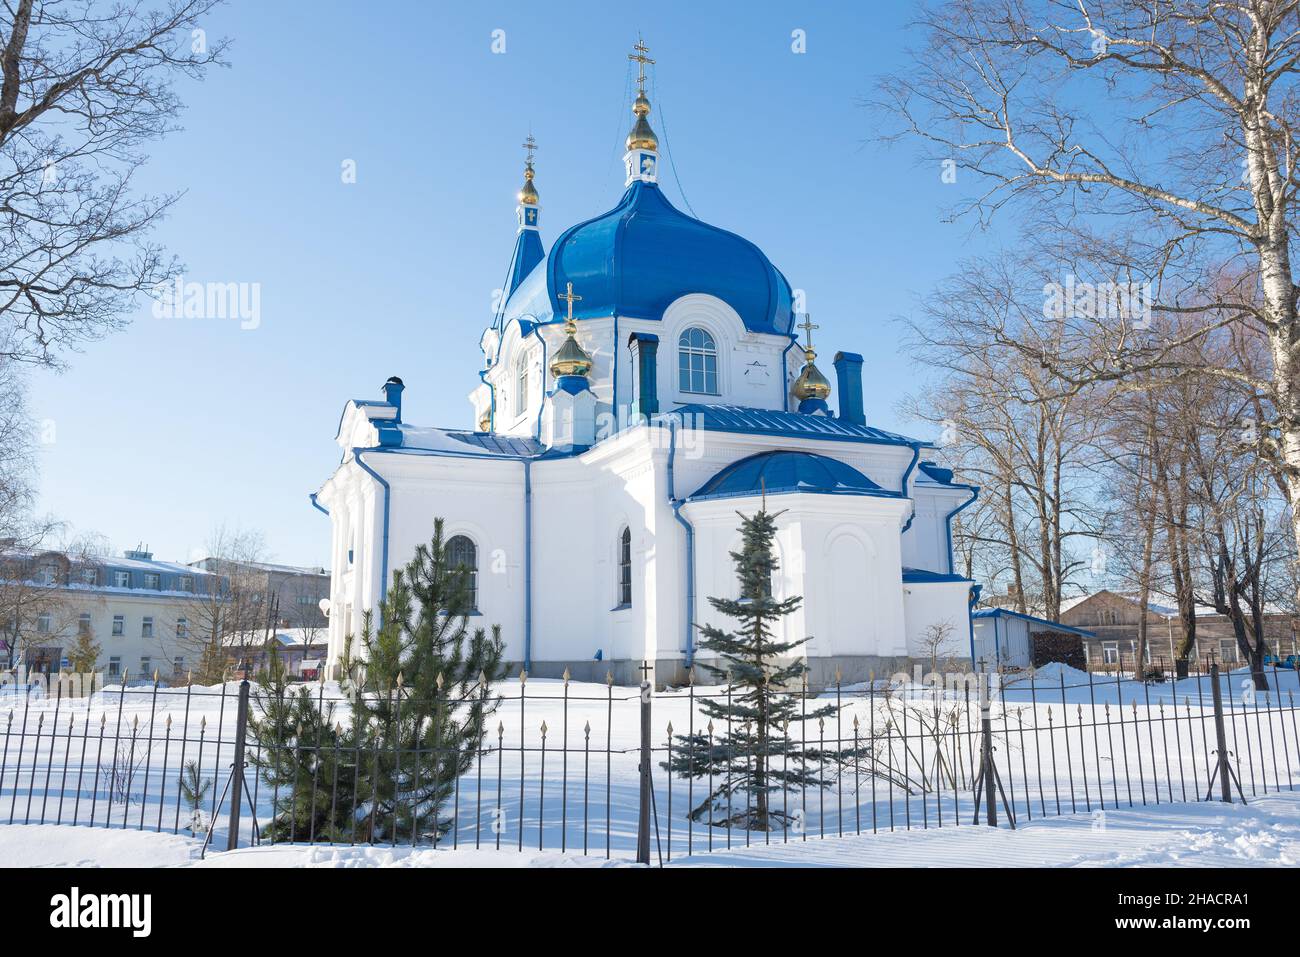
x=625, y=567
x=463, y=553
x=697, y=362
x=521, y=385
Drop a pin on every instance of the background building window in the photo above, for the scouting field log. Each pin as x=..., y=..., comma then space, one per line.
x=697, y=362
x=89, y=576
x=182, y=628
x=44, y=623
x=625, y=567
x=146, y=665
x=462, y=552
x=186, y=583
x=178, y=667
x=146, y=627
x=152, y=580
x=119, y=626
x=83, y=624
x=115, y=666
x=122, y=579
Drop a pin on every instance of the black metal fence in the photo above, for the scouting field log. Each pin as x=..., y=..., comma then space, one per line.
x=581, y=768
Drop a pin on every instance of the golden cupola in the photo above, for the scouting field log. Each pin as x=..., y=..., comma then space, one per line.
x=642, y=136
x=571, y=362
x=528, y=192
x=812, y=389
x=642, y=157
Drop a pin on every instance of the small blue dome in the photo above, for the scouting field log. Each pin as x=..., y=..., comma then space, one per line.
x=643, y=254
x=778, y=472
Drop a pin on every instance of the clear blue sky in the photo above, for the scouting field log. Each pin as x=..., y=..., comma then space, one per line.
x=172, y=427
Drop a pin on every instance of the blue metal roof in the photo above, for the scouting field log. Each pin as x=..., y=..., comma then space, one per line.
x=778, y=472
x=920, y=576
x=528, y=253
x=643, y=254
x=734, y=418
x=1008, y=613
x=450, y=441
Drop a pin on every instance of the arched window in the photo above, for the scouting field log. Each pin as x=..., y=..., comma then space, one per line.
x=521, y=385
x=463, y=553
x=697, y=362
x=625, y=567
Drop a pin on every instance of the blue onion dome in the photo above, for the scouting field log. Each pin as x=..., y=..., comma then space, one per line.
x=644, y=254
x=776, y=472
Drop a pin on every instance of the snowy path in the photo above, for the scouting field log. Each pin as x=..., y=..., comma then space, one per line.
x=1264, y=834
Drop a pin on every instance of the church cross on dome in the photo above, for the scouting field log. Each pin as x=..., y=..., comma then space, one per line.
x=640, y=58
x=530, y=144
x=808, y=326
x=568, y=296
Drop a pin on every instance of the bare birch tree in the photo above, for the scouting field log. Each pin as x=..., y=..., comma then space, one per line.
x=1158, y=136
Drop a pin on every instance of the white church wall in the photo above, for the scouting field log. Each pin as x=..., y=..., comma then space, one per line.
x=931, y=605
x=749, y=364
x=839, y=552
x=925, y=544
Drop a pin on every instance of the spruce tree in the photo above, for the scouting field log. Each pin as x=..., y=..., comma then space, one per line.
x=749, y=751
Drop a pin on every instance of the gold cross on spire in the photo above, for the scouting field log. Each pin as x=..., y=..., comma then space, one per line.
x=641, y=59
x=808, y=326
x=530, y=144
x=568, y=296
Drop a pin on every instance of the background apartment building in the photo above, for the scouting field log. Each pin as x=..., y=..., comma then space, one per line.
x=145, y=615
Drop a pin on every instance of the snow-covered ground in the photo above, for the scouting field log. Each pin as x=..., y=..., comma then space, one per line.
x=1067, y=745
x=1265, y=833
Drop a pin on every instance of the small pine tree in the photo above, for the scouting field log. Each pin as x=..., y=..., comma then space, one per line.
x=420, y=693
x=194, y=789
x=752, y=756
x=305, y=758
x=420, y=703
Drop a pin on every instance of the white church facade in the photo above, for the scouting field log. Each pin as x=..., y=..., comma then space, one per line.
x=643, y=382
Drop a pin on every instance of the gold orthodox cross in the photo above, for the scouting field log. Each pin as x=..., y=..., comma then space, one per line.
x=641, y=59
x=569, y=325
x=807, y=326
x=530, y=144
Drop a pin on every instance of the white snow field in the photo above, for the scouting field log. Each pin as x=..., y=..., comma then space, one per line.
x=1265, y=833
x=1067, y=746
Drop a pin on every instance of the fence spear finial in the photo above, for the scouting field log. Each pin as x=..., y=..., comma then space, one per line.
x=523, y=676
x=670, y=729
x=566, y=676
x=609, y=678
x=438, y=681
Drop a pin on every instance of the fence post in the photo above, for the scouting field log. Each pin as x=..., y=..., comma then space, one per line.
x=237, y=769
x=643, y=815
x=1220, y=736
x=986, y=754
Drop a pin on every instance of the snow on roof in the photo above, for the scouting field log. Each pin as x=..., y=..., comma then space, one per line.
x=1164, y=606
